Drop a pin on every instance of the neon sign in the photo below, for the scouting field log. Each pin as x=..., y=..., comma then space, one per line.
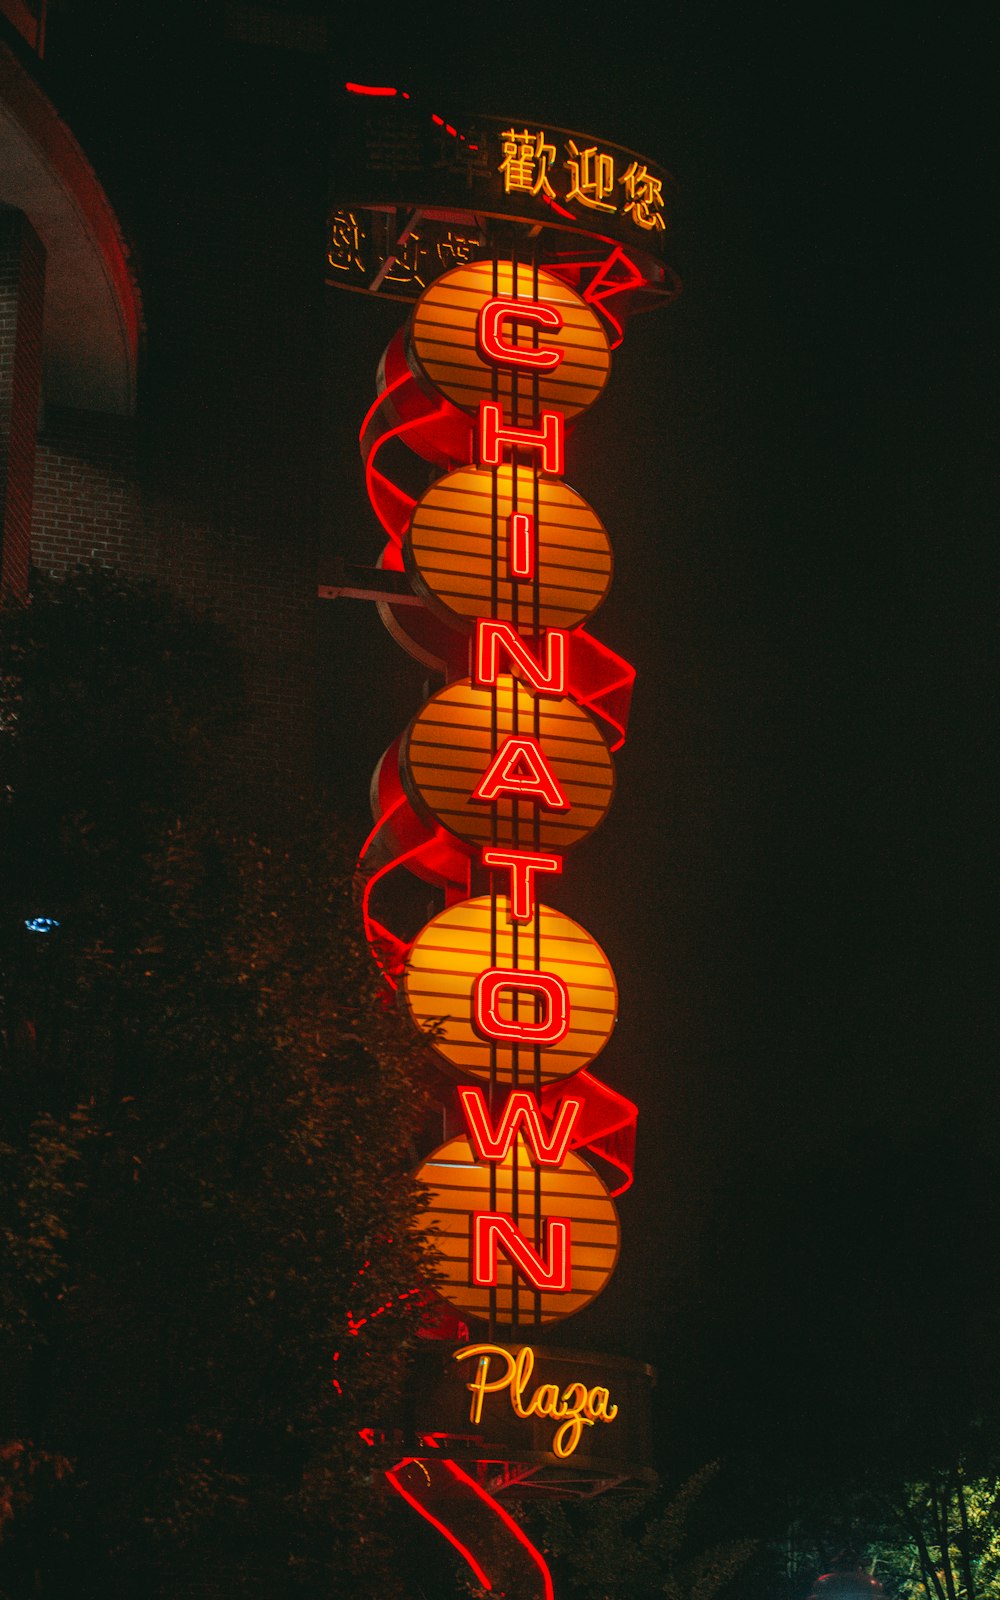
x=417, y=193
x=506, y=769
x=490, y=576
x=574, y=1407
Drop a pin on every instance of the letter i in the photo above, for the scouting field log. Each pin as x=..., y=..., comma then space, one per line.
x=521, y=545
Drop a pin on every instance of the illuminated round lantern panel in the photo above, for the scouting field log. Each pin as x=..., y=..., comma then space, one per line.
x=566, y=358
x=455, y=743
x=474, y=1019
x=463, y=521
x=460, y=1187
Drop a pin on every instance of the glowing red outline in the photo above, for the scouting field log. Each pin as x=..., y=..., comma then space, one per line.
x=492, y=1144
x=522, y=866
x=607, y=1124
x=435, y=1522
x=549, y=438
x=495, y=312
x=541, y=782
x=556, y=207
x=368, y=88
x=376, y=932
x=397, y=432
x=521, y=545
x=514, y=1527
x=492, y=636
x=593, y=294
x=486, y=1018
x=594, y=699
x=493, y=1232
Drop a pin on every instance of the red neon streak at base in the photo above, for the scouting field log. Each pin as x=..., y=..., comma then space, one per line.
x=493, y=1144
x=435, y=1522
x=522, y=866
x=492, y=1232
x=492, y=636
x=496, y=349
x=536, y=780
x=494, y=433
x=548, y=1593
x=368, y=88
x=453, y=1493
x=521, y=545
x=486, y=1018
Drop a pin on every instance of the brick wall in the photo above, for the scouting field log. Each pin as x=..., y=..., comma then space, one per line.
x=88, y=505
x=22, y=287
x=252, y=568
x=150, y=506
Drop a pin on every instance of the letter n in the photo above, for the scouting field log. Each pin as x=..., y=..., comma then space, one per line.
x=493, y=636
x=492, y=1232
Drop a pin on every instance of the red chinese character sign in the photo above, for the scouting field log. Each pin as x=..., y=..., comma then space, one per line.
x=491, y=575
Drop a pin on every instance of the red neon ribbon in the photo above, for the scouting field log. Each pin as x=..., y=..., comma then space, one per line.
x=451, y=1501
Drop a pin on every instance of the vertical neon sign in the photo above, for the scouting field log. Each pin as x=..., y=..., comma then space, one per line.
x=502, y=772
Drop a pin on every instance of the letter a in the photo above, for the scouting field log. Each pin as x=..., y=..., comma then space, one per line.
x=520, y=769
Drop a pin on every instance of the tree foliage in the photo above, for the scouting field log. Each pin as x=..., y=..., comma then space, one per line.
x=205, y=1140
x=932, y=1537
x=632, y=1545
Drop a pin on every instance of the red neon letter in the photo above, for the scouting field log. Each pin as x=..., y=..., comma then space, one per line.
x=522, y=878
x=492, y=345
x=522, y=1107
x=492, y=1232
x=492, y=637
x=519, y=768
x=521, y=545
x=486, y=1017
x=494, y=434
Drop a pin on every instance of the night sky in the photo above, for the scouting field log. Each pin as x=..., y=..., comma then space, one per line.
x=793, y=884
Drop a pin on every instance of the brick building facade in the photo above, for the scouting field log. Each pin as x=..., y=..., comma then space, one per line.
x=185, y=452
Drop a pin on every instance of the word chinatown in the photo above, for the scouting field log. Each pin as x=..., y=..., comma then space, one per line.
x=500, y=773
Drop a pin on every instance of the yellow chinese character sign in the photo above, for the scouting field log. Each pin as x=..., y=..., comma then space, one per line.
x=418, y=192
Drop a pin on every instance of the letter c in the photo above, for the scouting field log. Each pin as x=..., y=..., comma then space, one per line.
x=494, y=347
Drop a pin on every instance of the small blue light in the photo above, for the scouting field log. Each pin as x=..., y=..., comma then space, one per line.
x=41, y=924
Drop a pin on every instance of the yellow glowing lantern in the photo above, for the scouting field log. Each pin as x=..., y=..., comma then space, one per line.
x=502, y=1019
x=477, y=334
x=464, y=520
x=553, y=791
x=535, y=1198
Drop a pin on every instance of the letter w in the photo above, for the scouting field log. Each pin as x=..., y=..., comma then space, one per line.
x=493, y=1144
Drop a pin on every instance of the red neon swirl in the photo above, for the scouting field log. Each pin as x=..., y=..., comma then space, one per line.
x=422, y=1506
x=445, y=1495
x=601, y=681
x=548, y=1593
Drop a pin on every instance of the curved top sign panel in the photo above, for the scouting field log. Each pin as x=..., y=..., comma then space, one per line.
x=411, y=189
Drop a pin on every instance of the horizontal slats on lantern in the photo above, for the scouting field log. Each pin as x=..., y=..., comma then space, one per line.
x=448, y=748
x=457, y=945
x=442, y=343
x=460, y=1185
x=450, y=551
